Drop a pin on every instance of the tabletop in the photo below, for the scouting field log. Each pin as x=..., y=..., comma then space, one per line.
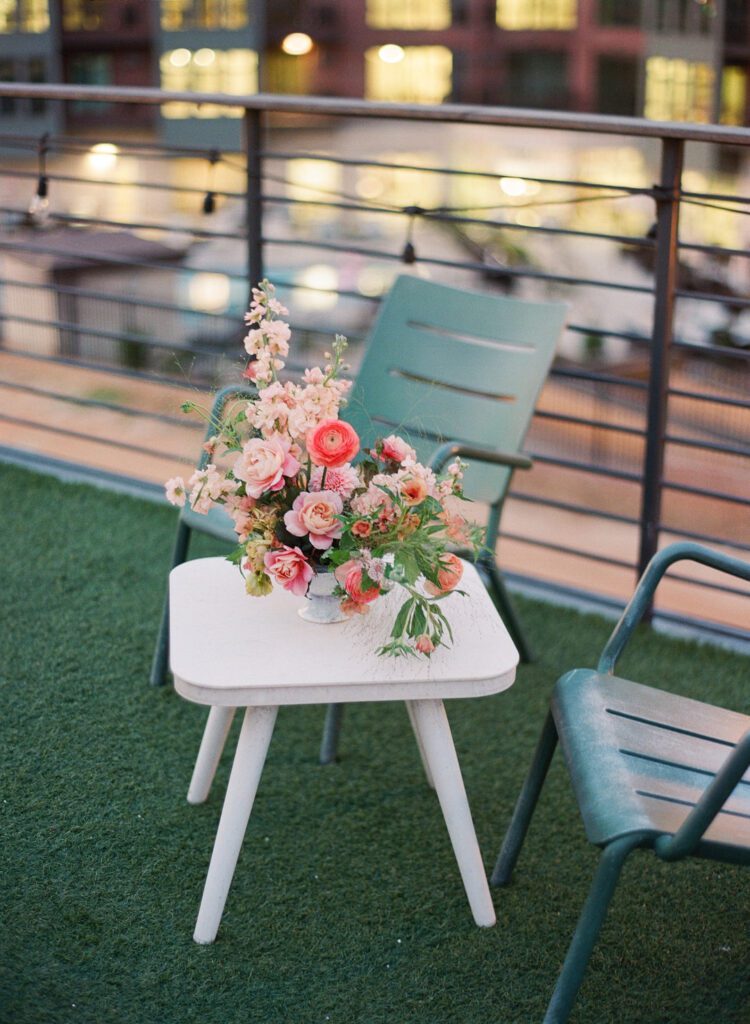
x=230, y=649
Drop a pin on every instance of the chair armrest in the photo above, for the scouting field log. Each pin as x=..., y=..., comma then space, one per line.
x=644, y=592
x=456, y=449
x=689, y=834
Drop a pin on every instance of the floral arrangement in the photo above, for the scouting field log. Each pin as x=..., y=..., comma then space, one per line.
x=301, y=505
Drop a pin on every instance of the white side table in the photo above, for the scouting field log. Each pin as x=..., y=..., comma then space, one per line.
x=229, y=650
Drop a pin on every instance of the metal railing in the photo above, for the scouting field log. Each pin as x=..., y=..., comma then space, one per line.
x=655, y=443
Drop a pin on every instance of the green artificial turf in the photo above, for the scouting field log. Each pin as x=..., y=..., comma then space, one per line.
x=347, y=905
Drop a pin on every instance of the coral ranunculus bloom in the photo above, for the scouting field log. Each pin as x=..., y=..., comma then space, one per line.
x=332, y=443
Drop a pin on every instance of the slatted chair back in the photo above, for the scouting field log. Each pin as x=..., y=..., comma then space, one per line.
x=444, y=364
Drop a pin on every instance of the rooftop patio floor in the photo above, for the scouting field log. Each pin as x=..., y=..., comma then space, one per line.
x=347, y=905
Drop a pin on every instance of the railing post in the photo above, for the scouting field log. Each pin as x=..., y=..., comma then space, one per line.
x=253, y=198
x=665, y=282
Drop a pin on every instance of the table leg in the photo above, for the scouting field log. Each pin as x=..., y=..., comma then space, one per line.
x=214, y=737
x=249, y=759
x=432, y=726
x=418, y=738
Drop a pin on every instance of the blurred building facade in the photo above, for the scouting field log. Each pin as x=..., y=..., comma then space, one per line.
x=668, y=59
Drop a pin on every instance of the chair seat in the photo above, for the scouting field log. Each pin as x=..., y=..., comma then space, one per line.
x=640, y=759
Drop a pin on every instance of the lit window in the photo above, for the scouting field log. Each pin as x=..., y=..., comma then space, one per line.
x=183, y=14
x=422, y=76
x=518, y=15
x=82, y=15
x=678, y=90
x=286, y=74
x=733, y=95
x=24, y=16
x=205, y=70
x=409, y=14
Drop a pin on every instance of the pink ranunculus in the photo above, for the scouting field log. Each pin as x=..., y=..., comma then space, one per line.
x=263, y=463
x=449, y=575
x=332, y=443
x=349, y=575
x=315, y=514
x=361, y=528
x=396, y=449
x=289, y=568
x=423, y=644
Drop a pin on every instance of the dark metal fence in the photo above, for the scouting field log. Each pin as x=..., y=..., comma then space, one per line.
x=648, y=444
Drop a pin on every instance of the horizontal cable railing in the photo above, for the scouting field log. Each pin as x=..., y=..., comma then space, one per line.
x=645, y=406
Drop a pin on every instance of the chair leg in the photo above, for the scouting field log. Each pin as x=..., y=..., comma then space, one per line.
x=330, y=742
x=508, y=612
x=161, y=651
x=588, y=928
x=527, y=799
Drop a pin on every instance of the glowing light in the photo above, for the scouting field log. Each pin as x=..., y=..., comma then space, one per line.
x=391, y=53
x=179, y=58
x=297, y=44
x=209, y=293
x=102, y=159
x=513, y=186
x=319, y=282
x=370, y=186
x=204, y=57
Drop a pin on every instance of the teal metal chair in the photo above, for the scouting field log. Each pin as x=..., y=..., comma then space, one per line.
x=456, y=373
x=215, y=524
x=649, y=769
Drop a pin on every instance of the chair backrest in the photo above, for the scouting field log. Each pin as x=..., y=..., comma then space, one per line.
x=444, y=364
x=217, y=523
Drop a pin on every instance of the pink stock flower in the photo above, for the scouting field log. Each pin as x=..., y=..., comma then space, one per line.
x=289, y=568
x=349, y=575
x=263, y=464
x=332, y=443
x=315, y=514
x=175, y=491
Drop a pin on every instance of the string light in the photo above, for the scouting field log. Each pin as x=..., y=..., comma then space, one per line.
x=39, y=205
x=209, y=200
x=409, y=253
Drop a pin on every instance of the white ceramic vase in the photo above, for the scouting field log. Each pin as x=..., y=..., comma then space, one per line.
x=321, y=605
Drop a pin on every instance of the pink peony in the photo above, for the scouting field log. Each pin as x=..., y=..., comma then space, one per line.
x=449, y=574
x=315, y=514
x=289, y=568
x=396, y=449
x=349, y=575
x=263, y=464
x=332, y=443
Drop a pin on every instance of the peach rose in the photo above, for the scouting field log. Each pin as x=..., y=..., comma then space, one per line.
x=449, y=574
x=349, y=575
x=332, y=443
x=289, y=568
x=413, y=490
x=315, y=514
x=263, y=463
